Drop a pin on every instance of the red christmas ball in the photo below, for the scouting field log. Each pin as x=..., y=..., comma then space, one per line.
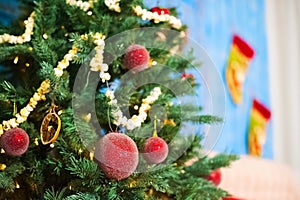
x=160, y=11
x=155, y=150
x=117, y=155
x=136, y=58
x=15, y=142
x=215, y=177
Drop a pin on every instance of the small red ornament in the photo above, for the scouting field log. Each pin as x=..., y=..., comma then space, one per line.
x=15, y=142
x=215, y=177
x=188, y=77
x=160, y=11
x=136, y=58
x=155, y=150
x=117, y=155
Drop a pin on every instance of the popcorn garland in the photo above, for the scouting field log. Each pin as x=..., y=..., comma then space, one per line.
x=45, y=85
x=24, y=112
x=83, y=5
x=39, y=95
x=136, y=120
x=96, y=63
x=65, y=62
x=25, y=37
x=114, y=5
x=86, y=5
x=157, y=18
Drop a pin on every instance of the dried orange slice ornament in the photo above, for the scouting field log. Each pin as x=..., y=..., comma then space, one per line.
x=50, y=127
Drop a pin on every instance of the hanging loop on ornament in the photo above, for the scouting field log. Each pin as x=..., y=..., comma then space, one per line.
x=155, y=127
x=50, y=127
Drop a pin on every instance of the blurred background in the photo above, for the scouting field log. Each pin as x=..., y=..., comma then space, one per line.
x=272, y=29
x=283, y=28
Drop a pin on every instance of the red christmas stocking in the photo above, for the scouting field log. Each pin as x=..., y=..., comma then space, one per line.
x=259, y=117
x=240, y=56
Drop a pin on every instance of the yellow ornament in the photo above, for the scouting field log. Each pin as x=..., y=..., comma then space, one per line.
x=2, y=167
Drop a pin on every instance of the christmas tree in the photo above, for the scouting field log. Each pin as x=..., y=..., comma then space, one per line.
x=89, y=105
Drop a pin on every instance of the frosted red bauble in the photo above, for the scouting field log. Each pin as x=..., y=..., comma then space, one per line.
x=117, y=155
x=15, y=142
x=136, y=58
x=215, y=177
x=160, y=11
x=155, y=150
